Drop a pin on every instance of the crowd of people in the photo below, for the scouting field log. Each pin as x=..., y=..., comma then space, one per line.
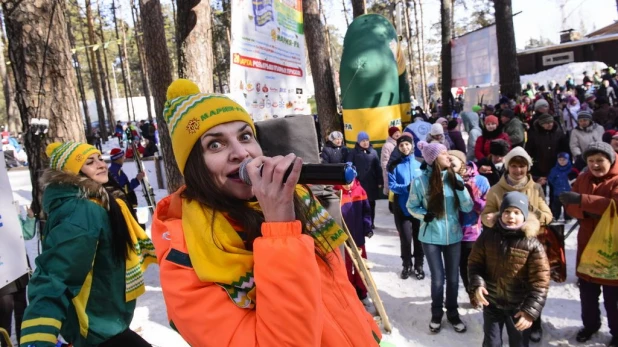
x=261, y=264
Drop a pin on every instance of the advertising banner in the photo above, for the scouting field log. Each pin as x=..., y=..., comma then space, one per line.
x=268, y=62
x=475, y=59
x=13, y=263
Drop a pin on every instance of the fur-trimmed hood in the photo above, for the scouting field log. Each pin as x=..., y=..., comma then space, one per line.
x=532, y=227
x=58, y=185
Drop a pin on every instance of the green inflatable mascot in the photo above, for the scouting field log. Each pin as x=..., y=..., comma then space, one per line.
x=374, y=88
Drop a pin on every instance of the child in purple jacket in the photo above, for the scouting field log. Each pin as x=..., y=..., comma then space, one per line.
x=356, y=213
x=477, y=186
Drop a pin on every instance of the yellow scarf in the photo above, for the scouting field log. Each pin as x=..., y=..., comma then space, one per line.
x=139, y=259
x=218, y=253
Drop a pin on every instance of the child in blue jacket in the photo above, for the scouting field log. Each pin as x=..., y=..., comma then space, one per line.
x=559, y=179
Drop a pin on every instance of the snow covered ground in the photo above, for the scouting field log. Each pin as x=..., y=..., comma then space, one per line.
x=407, y=301
x=559, y=73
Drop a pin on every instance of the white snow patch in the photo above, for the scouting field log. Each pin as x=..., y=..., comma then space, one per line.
x=559, y=73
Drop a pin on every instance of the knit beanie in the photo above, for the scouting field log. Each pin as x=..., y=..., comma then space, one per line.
x=517, y=200
x=491, y=120
x=362, y=136
x=116, y=153
x=601, y=147
x=430, y=151
x=441, y=120
x=540, y=103
x=564, y=155
x=405, y=137
x=459, y=155
x=335, y=135
x=476, y=108
x=393, y=130
x=508, y=113
x=517, y=152
x=69, y=156
x=584, y=114
x=436, y=129
x=189, y=114
x=545, y=118
x=499, y=148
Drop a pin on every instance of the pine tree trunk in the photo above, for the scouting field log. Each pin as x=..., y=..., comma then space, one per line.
x=137, y=26
x=421, y=55
x=12, y=113
x=80, y=80
x=507, y=52
x=41, y=62
x=345, y=13
x=160, y=73
x=320, y=69
x=194, y=35
x=406, y=18
x=105, y=85
x=330, y=52
x=359, y=8
x=128, y=87
x=121, y=57
x=94, y=71
x=447, y=96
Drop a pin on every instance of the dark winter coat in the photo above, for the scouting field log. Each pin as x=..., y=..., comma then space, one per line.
x=512, y=265
x=368, y=169
x=516, y=131
x=544, y=146
x=559, y=178
x=605, y=117
x=458, y=141
x=356, y=212
x=495, y=175
x=331, y=154
x=596, y=195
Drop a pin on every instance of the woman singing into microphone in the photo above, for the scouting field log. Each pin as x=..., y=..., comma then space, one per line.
x=248, y=265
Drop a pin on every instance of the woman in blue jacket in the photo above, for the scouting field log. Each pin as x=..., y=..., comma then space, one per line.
x=436, y=197
x=401, y=173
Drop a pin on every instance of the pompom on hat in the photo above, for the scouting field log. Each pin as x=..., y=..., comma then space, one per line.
x=430, y=151
x=116, y=153
x=69, y=156
x=189, y=114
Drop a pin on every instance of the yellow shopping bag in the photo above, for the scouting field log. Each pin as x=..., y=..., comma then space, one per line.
x=600, y=257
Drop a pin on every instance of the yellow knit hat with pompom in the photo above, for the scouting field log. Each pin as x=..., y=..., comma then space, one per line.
x=69, y=156
x=189, y=114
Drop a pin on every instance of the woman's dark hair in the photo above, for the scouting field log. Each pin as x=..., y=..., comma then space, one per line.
x=435, y=196
x=452, y=124
x=201, y=187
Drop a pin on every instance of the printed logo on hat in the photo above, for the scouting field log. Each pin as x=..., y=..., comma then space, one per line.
x=193, y=125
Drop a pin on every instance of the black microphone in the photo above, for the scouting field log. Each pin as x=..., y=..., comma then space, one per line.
x=311, y=173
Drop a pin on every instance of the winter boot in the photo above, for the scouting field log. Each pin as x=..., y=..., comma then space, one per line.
x=436, y=324
x=405, y=273
x=457, y=324
x=418, y=272
x=584, y=334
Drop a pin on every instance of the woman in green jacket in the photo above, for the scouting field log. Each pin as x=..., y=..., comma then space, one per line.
x=90, y=271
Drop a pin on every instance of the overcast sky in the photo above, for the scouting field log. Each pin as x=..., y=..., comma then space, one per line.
x=537, y=17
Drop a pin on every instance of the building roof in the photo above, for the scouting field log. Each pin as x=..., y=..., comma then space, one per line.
x=610, y=29
x=587, y=41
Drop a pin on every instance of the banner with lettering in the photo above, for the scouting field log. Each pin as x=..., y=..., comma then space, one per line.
x=13, y=263
x=268, y=62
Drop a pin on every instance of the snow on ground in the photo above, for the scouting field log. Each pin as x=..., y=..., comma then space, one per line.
x=407, y=302
x=559, y=73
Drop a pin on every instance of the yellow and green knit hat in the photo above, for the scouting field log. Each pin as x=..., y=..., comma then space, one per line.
x=189, y=114
x=69, y=156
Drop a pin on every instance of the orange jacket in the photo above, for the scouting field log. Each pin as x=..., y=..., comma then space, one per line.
x=300, y=301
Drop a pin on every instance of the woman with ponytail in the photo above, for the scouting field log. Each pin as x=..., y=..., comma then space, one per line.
x=436, y=198
x=90, y=273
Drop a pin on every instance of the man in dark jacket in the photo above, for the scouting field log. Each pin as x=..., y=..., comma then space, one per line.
x=367, y=164
x=513, y=127
x=509, y=273
x=545, y=140
x=492, y=166
x=605, y=115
